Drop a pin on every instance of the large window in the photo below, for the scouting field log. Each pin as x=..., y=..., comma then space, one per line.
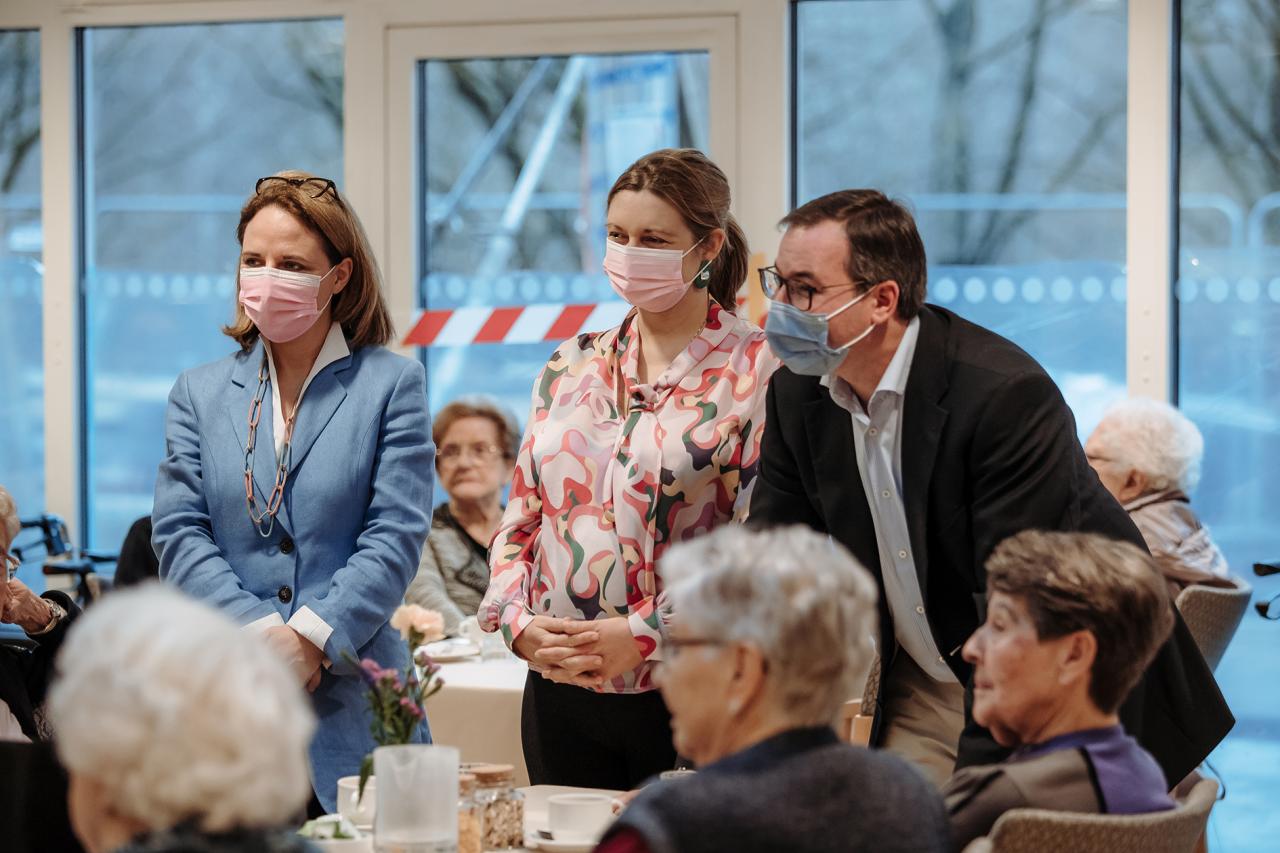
x=517, y=156
x=178, y=123
x=21, y=273
x=1002, y=124
x=1229, y=365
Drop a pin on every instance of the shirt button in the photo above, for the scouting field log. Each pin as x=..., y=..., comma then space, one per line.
x=286, y=545
x=902, y=555
x=920, y=610
x=873, y=431
x=885, y=493
x=285, y=594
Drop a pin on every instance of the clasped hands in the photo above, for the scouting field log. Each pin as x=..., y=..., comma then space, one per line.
x=573, y=651
x=302, y=656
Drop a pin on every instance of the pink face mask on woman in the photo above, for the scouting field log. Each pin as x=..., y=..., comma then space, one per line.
x=651, y=279
x=280, y=303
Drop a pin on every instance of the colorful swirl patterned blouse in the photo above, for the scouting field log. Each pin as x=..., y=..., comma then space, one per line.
x=611, y=472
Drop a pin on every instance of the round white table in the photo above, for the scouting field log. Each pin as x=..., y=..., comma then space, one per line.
x=478, y=711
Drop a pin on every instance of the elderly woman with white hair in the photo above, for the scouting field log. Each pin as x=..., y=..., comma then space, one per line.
x=770, y=635
x=179, y=731
x=1147, y=455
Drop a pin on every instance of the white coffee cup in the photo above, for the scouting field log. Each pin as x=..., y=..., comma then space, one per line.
x=578, y=817
x=359, y=810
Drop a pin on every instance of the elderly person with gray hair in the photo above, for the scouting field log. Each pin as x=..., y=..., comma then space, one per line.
x=771, y=634
x=179, y=731
x=476, y=444
x=1073, y=620
x=1147, y=455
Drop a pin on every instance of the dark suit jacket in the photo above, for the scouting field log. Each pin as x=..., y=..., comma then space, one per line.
x=989, y=448
x=25, y=672
x=791, y=792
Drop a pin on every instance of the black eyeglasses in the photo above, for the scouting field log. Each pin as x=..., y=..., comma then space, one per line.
x=797, y=294
x=315, y=187
x=454, y=452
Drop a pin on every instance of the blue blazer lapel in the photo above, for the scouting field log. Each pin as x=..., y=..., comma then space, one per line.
x=244, y=376
x=319, y=402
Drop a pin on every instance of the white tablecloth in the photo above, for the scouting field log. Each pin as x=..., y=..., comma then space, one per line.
x=478, y=711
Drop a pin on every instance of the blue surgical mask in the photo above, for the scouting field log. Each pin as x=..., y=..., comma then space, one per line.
x=799, y=338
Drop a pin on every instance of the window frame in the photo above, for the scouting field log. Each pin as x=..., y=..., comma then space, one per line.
x=762, y=84
x=369, y=181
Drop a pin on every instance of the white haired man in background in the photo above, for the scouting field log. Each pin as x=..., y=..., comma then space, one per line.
x=1147, y=454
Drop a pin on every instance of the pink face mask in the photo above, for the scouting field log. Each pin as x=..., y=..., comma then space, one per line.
x=280, y=303
x=650, y=279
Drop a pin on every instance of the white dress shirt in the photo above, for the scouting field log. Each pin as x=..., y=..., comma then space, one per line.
x=877, y=431
x=304, y=621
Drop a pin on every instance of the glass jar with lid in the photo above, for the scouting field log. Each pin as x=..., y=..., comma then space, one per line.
x=502, y=806
x=470, y=816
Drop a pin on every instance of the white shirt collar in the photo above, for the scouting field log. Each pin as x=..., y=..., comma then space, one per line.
x=894, y=378
x=334, y=348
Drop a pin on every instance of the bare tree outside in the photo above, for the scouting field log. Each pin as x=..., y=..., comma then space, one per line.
x=1231, y=107
x=986, y=97
x=19, y=104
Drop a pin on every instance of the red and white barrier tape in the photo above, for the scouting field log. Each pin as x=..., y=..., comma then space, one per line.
x=513, y=324
x=517, y=324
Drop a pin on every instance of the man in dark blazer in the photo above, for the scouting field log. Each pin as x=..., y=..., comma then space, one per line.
x=920, y=441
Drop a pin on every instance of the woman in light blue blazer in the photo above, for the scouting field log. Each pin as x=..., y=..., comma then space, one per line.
x=296, y=486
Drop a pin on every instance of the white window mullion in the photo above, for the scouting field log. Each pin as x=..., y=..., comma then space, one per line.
x=61, y=302
x=1151, y=204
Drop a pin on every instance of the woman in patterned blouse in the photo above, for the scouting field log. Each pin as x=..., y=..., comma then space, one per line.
x=640, y=436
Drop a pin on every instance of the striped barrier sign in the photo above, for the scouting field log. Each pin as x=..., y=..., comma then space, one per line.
x=512, y=324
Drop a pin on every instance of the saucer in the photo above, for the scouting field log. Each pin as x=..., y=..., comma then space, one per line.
x=445, y=651
x=577, y=845
x=344, y=845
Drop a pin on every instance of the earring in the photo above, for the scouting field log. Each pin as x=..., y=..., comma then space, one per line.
x=734, y=706
x=702, y=278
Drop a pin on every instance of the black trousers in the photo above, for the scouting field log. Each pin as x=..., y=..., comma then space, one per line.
x=573, y=736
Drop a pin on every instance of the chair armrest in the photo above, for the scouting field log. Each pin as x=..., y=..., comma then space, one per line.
x=71, y=566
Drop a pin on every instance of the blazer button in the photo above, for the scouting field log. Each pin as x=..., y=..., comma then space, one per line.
x=286, y=545
x=285, y=594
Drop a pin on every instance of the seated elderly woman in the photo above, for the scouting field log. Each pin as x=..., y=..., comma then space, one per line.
x=1147, y=454
x=179, y=731
x=476, y=443
x=1073, y=619
x=770, y=635
x=25, y=671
